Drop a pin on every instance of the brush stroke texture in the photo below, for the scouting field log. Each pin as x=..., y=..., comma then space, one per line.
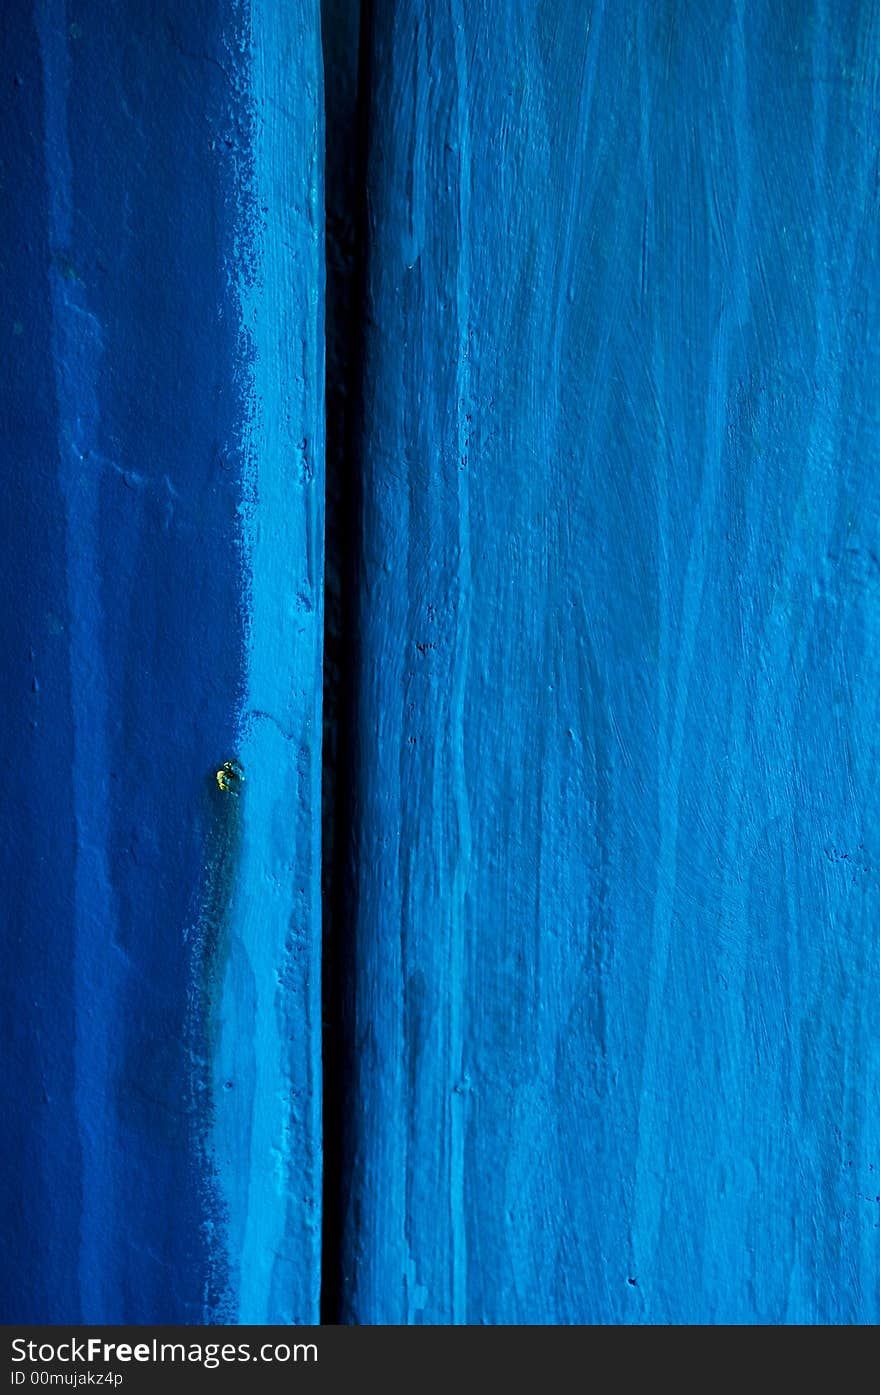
x=606, y=884
x=162, y=445
x=616, y=889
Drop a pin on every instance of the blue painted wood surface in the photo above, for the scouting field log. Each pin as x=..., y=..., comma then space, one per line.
x=601, y=1037
x=616, y=861
x=163, y=454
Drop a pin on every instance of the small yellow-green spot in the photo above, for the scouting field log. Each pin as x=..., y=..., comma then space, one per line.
x=230, y=777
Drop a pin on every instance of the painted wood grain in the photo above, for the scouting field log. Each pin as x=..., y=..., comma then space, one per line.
x=615, y=1023
x=601, y=1035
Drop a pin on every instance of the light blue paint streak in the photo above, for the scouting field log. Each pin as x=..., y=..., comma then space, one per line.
x=267, y=1130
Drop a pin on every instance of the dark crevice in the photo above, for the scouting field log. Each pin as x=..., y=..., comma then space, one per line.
x=345, y=27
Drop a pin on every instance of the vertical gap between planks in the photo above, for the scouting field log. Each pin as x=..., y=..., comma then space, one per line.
x=345, y=35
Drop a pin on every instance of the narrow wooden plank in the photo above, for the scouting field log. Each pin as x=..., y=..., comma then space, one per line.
x=616, y=895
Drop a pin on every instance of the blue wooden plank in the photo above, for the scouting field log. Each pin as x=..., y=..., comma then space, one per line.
x=162, y=445
x=615, y=789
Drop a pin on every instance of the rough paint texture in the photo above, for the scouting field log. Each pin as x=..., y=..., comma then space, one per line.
x=602, y=1023
x=616, y=895
x=267, y=1070
x=162, y=444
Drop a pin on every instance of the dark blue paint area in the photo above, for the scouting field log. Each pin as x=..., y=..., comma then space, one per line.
x=41, y=1179
x=124, y=665
x=615, y=906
